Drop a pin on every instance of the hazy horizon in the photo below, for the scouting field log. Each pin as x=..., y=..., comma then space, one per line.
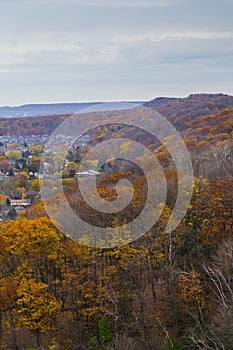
x=114, y=100
x=69, y=102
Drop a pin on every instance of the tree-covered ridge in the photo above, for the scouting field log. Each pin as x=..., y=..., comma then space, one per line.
x=30, y=126
x=182, y=110
x=178, y=111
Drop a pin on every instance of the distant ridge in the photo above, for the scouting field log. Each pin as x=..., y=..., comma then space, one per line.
x=160, y=101
x=181, y=108
x=42, y=110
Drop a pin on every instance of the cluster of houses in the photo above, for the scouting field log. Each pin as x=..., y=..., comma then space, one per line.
x=23, y=141
x=24, y=144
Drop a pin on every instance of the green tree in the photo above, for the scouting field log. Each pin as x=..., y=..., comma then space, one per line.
x=12, y=214
x=105, y=333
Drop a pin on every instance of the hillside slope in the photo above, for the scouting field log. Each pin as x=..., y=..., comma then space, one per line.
x=181, y=110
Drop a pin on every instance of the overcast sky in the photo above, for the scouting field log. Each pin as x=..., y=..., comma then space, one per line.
x=101, y=50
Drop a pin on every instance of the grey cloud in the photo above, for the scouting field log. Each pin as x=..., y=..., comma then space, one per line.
x=71, y=50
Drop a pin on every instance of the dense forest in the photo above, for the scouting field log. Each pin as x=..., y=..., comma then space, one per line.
x=160, y=292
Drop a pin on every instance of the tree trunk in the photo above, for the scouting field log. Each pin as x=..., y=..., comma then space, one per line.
x=1, y=332
x=170, y=286
x=39, y=340
x=14, y=345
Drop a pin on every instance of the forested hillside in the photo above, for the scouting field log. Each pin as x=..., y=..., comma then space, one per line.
x=161, y=292
x=181, y=110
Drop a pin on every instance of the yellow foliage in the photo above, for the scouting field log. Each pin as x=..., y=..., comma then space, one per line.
x=202, y=143
x=191, y=289
x=36, y=307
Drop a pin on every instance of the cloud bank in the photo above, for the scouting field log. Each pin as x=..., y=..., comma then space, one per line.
x=54, y=51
